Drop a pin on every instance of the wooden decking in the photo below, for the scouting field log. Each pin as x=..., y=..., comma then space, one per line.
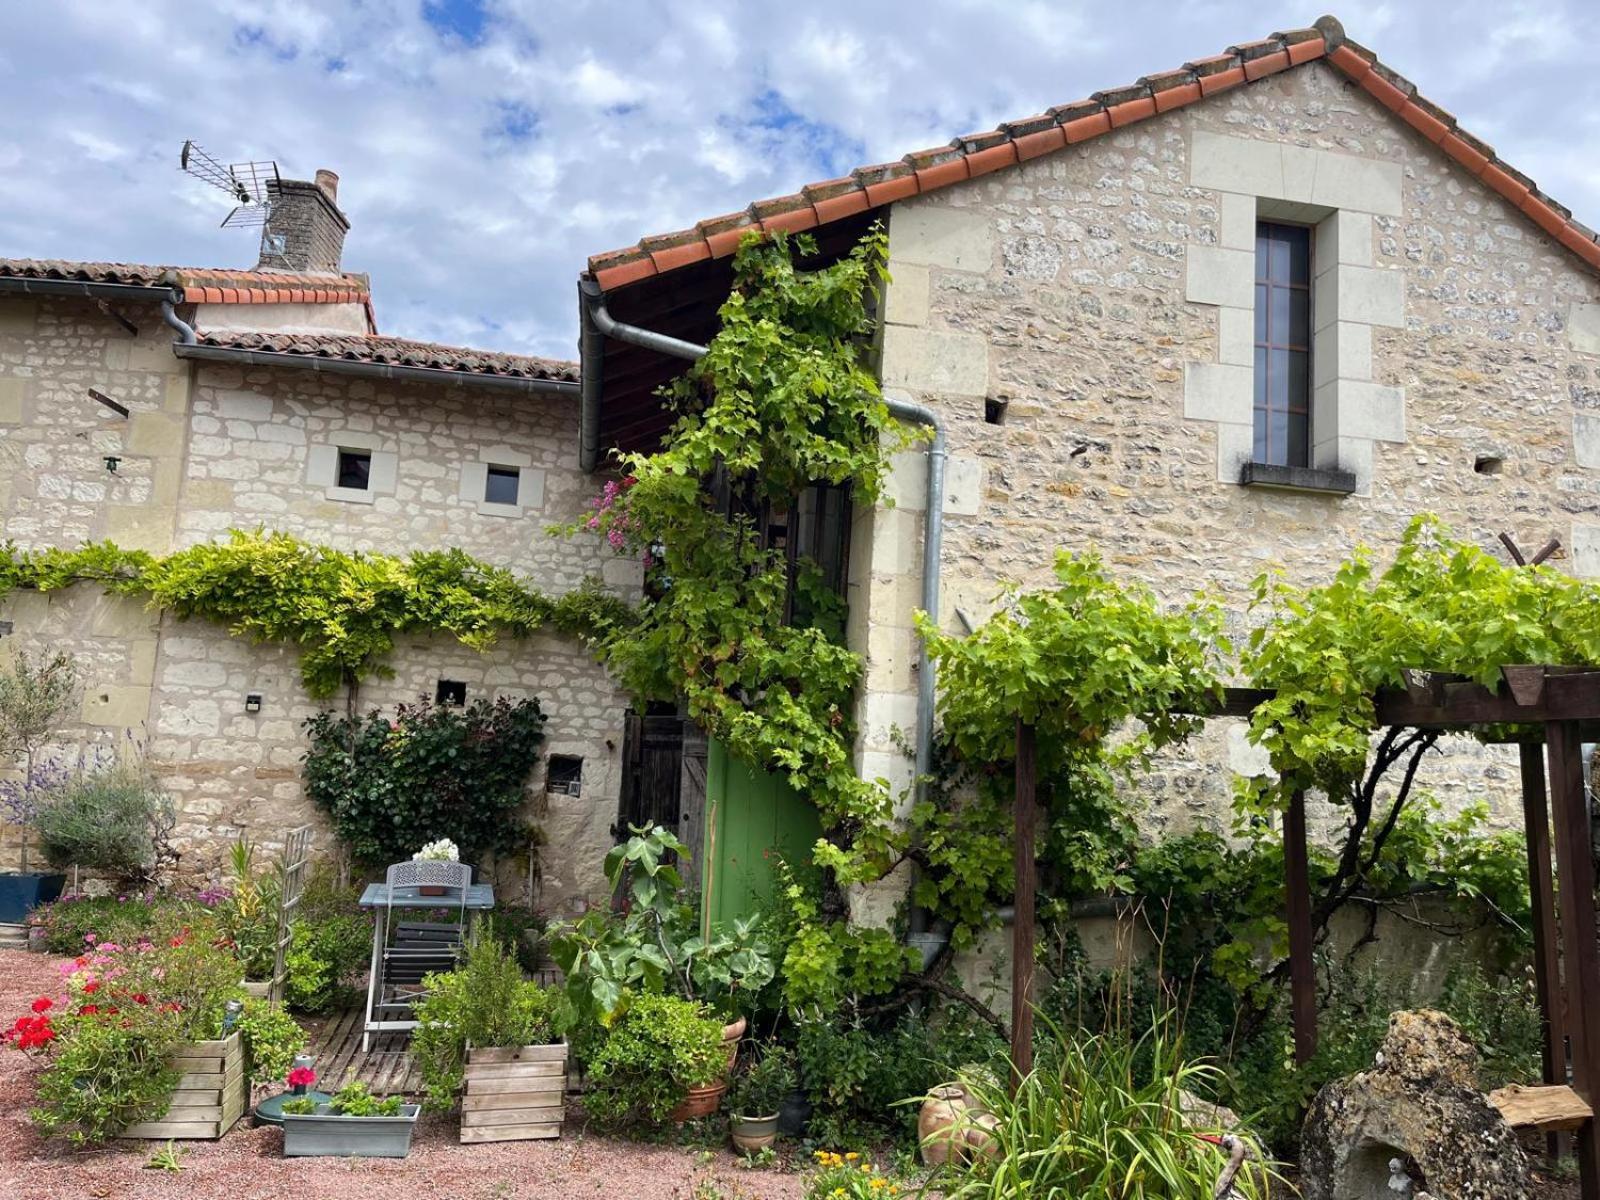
x=388, y=1068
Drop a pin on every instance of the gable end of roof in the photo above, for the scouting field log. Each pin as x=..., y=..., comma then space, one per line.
x=1015, y=142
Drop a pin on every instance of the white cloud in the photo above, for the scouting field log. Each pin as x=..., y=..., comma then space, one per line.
x=479, y=172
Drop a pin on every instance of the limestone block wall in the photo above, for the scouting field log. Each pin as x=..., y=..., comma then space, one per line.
x=56, y=489
x=237, y=451
x=1052, y=312
x=55, y=486
x=238, y=773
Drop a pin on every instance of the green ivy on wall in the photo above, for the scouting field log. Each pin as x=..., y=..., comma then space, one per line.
x=781, y=401
x=342, y=609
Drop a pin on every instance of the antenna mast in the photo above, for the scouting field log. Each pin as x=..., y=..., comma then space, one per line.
x=247, y=183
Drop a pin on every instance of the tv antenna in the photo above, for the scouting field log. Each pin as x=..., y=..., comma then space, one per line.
x=246, y=182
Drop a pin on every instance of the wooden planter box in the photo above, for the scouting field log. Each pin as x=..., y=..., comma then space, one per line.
x=514, y=1093
x=210, y=1096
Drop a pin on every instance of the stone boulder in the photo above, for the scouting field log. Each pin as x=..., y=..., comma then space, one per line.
x=1418, y=1107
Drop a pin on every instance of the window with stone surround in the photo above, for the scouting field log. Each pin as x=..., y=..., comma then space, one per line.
x=353, y=466
x=1283, y=345
x=502, y=482
x=1335, y=198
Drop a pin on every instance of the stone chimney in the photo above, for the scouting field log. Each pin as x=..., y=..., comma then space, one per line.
x=306, y=230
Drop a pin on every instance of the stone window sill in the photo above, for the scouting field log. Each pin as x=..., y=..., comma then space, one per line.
x=1319, y=480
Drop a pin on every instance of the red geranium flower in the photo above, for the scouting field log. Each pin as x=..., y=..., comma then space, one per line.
x=89, y=1010
x=91, y=987
x=302, y=1077
x=43, y=1004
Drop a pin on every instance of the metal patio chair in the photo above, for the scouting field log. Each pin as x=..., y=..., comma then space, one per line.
x=419, y=948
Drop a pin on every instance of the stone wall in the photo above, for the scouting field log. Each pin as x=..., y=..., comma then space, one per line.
x=212, y=448
x=1069, y=297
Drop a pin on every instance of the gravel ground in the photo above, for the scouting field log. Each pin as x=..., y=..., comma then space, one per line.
x=248, y=1163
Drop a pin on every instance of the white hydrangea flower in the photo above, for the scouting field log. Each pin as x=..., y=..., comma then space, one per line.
x=443, y=850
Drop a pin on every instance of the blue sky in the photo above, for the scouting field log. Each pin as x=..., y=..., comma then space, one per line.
x=487, y=147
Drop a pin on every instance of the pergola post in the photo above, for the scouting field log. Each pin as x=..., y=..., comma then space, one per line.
x=1302, y=971
x=1025, y=816
x=1541, y=891
x=1575, y=872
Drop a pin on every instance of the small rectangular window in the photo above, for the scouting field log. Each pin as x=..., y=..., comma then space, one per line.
x=355, y=469
x=1283, y=345
x=450, y=692
x=500, y=485
x=564, y=776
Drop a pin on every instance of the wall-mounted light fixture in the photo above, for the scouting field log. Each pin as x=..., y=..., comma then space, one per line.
x=252, y=702
x=112, y=462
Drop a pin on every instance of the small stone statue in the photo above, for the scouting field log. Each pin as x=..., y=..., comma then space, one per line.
x=1399, y=1181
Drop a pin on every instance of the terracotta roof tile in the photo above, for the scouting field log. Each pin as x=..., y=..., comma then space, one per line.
x=1113, y=108
x=400, y=352
x=201, y=285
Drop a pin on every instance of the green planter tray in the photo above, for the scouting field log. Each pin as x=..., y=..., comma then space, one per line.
x=322, y=1134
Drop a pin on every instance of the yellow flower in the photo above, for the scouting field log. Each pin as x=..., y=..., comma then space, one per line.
x=851, y=1157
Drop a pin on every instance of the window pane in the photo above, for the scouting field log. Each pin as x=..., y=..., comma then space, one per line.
x=1263, y=253
x=500, y=485
x=1261, y=452
x=1278, y=437
x=1299, y=440
x=1298, y=240
x=1280, y=257
x=355, y=469
x=1299, y=327
x=1261, y=377
x=1297, y=380
x=1261, y=313
x=1278, y=315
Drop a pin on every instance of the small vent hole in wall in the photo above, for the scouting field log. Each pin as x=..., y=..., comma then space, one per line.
x=564, y=776
x=994, y=411
x=1488, y=464
x=451, y=692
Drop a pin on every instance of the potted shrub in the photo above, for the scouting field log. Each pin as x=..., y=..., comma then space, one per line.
x=657, y=945
x=34, y=697
x=662, y=1059
x=114, y=818
x=756, y=1096
x=494, y=1039
x=355, y=1124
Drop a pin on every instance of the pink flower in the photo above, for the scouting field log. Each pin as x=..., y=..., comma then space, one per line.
x=302, y=1077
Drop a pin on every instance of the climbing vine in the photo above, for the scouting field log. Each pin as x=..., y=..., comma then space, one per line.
x=783, y=400
x=342, y=609
x=1081, y=659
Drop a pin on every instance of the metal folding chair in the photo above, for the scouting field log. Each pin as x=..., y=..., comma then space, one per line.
x=419, y=947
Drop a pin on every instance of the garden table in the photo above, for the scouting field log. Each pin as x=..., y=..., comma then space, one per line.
x=465, y=902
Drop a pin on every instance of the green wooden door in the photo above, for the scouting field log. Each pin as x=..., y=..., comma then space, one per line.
x=750, y=816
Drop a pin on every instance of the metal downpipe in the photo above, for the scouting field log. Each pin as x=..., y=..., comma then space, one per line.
x=169, y=313
x=595, y=324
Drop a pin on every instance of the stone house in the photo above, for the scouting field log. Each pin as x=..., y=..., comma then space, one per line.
x=285, y=409
x=1254, y=310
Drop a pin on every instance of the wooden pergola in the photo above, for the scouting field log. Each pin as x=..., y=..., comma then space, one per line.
x=1548, y=712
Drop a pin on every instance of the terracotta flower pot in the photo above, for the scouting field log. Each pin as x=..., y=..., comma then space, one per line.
x=730, y=1038
x=431, y=889
x=701, y=1101
x=952, y=1125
